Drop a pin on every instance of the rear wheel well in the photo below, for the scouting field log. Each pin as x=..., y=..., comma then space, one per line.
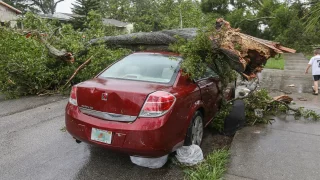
x=202, y=111
x=195, y=130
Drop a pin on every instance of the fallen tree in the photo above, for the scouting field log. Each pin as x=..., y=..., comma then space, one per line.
x=225, y=50
x=246, y=54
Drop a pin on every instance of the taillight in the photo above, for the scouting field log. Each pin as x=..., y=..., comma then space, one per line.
x=157, y=104
x=73, y=96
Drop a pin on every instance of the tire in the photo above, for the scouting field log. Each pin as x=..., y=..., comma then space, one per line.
x=233, y=89
x=233, y=93
x=236, y=119
x=195, y=130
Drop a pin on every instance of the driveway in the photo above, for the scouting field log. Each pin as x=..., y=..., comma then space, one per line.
x=33, y=146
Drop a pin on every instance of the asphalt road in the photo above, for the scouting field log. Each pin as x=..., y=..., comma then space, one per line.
x=32, y=146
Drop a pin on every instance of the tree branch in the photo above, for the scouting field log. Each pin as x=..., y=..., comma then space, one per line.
x=40, y=5
x=58, y=54
x=55, y=4
x=77, y=70
x=255, y=19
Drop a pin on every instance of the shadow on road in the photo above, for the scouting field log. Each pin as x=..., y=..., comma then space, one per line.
x=105, y=164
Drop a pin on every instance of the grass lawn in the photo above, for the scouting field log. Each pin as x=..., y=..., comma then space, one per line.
x=275, y=63
x=213, y=167
x=309, y=56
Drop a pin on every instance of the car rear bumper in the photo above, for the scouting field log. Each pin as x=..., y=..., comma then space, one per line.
x=144, y=137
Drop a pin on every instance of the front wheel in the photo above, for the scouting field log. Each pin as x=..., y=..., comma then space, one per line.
x=195, y=130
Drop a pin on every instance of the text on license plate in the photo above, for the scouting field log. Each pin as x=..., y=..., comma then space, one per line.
x=101, y=135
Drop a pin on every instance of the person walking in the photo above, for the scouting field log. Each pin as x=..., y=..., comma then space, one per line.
x=315, y=63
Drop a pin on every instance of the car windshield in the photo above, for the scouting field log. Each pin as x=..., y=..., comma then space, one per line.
x=144, y=67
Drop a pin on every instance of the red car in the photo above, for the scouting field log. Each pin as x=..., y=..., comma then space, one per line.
x=143, y=105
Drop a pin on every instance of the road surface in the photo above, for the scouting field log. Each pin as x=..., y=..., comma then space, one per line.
x=33, y=146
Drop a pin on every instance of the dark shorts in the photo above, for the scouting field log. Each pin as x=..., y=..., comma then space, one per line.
x=316, y=77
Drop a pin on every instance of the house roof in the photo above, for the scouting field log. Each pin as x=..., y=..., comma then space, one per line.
x=69, y=17
x=73, y=15
x=59, y=16
x=10, y=7
x=114, y=22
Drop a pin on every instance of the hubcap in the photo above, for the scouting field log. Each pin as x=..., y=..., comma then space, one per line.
x=197, y=131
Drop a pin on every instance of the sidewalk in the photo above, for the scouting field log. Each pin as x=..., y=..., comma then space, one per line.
x=286, y=150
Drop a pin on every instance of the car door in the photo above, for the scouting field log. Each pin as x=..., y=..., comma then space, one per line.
x=208, y=85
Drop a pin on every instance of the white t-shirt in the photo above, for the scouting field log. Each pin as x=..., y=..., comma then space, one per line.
x=315, y=62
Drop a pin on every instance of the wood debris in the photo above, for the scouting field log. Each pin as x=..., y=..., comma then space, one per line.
x=248, y=54
x=283, y=98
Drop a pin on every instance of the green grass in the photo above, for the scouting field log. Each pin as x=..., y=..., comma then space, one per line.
x=275, y=63
x=212, y=168
x=309, y=56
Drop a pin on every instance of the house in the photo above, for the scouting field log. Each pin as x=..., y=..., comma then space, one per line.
x=121, y=26
x=8, y=14
x=66, y=17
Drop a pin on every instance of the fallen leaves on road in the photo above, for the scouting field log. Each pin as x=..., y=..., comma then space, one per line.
x=302, y=99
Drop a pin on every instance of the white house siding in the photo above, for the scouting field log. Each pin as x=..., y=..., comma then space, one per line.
x=7, y=15
x=129, y=28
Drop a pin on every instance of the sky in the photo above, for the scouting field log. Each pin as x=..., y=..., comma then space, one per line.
x=65, y=6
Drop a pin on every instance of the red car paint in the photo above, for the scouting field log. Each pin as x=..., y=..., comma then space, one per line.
x=144, y=136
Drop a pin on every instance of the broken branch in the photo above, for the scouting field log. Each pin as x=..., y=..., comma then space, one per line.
x=58, y=54
x=77, y=70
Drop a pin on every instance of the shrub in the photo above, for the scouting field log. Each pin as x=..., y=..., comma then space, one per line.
x=26, y=68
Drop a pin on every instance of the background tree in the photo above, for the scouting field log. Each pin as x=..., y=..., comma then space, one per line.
x=121, y=10
x=215, y=6
x=181, y=14
x=165, y=14
x=313, y=17
x=46, y=6
x=36, y=6
x=82, y=9
x=146, y=15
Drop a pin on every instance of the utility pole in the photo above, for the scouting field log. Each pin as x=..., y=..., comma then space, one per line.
x=181, y=21
x=181, y=25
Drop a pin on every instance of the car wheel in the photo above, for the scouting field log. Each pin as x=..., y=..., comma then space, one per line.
x=233, y=89
x=195, y=130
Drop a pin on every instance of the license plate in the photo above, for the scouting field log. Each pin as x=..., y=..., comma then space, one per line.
x=101, y=135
